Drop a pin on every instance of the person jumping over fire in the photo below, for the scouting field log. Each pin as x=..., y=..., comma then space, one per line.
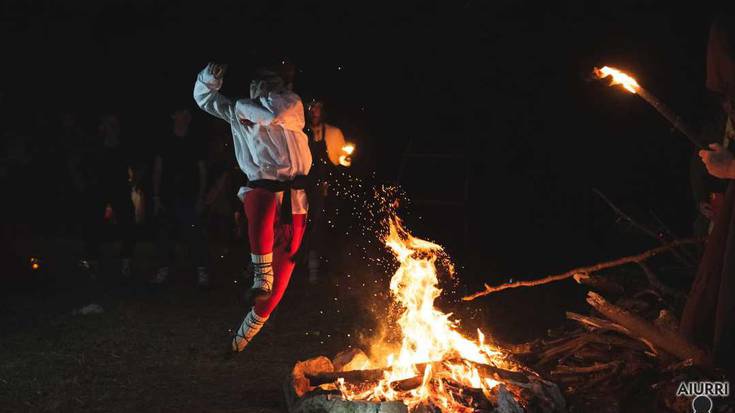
x=273, y=151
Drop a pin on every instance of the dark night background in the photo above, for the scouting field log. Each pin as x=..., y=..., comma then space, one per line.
x=502, y=82
x=505, y=85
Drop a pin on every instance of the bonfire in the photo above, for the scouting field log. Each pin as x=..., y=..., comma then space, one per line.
x=435, y=366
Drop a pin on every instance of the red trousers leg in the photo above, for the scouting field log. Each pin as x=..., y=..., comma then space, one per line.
x=261, y=211
x=266, y=235
x=287, y=241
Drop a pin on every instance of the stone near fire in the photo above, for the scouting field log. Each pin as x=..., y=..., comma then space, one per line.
x=324, y=403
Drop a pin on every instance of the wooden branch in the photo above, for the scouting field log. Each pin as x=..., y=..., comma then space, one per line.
x=598, y=283
x=596, y=323
x=615, y=341
x=558, y=349
x=658, y=285
x=585, y=270
x=655, y=234
x=561, y=369
x=641, y=329
x=651, y=233
x=487, y=370
x=686, y=254
x=672, y=117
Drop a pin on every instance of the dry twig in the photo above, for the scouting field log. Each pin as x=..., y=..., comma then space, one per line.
x=585, y=270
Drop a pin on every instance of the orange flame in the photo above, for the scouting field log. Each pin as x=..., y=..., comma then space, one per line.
x=618, y=78
x=346, y=158
x=428, y=336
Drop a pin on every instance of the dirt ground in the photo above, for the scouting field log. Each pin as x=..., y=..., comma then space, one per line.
x=162, y=349
x=167, y=349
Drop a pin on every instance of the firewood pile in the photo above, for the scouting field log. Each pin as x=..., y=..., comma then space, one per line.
x=625, y=355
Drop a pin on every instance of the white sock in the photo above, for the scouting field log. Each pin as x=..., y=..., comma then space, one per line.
x=248, y=329
x=263, y=271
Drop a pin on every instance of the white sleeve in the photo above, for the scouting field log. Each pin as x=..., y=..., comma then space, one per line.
x=207, y=96
x=254, y=111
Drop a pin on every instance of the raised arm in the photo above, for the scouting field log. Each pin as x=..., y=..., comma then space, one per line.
x=207, y=96
x=283, y=109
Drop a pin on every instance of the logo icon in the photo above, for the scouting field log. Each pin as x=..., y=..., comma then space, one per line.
x=702, y=404
x=702, y=393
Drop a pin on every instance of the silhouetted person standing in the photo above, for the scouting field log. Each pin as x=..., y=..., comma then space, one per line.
x=179, y=191
x=109, y=175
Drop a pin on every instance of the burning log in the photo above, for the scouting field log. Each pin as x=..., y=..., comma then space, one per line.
x=407, y=384
x=585, y=270
x=498, y=373
x=468, y=396
x=360, y=376
x=352, y=359
x=641, y=329
x=515, y=390
x=354, y=376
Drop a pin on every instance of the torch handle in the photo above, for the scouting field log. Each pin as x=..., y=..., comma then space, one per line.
x=674, y=119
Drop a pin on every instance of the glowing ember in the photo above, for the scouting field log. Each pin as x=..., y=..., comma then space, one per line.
x=431, y=352
x=618, y=78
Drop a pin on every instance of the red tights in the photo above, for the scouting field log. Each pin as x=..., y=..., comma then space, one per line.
x=266, y=235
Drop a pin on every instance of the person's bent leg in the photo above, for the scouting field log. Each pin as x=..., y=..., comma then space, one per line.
x=250, y=326
x=288, y=240
x=261, y=211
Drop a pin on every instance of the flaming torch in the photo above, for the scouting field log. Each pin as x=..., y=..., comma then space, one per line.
x=346, y=158
x=631, y=85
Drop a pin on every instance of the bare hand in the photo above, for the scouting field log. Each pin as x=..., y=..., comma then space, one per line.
x=217, y=70
x=719, y=161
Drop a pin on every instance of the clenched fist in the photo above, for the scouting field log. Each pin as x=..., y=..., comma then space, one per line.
x=217, y=70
